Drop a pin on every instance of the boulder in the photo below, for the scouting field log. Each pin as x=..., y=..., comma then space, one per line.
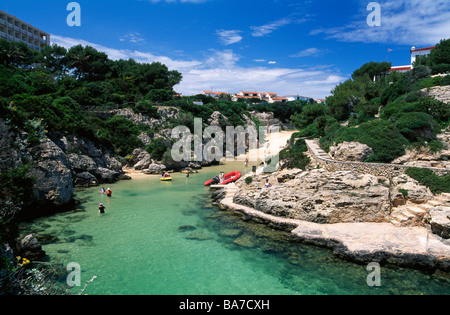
x=144, y=161
x=30, y=248
x=105, y=175
x=82, y=163
x=440, y=221
x=84, y=179
x=350, y=151
x=408, y=189
x=155, y=168
x=217, y=119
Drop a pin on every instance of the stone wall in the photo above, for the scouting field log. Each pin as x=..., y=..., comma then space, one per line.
x=321, y=158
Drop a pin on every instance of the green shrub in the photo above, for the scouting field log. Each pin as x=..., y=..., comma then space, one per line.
x=404, y=192
x=158, y=147
x=437, y=184
x=122, y=134
x=416, y=126
x=294, y=156
x=248, y=180
x=383, y=137
x=441, y=68
x=146, y=107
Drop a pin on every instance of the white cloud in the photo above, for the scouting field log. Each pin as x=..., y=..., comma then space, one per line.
x=271, y=62
x=132, y=38
x=406, y=22
x=228, y=37
x=306, y=52
x=259, y=31
x=220, y=69
x=116, y=54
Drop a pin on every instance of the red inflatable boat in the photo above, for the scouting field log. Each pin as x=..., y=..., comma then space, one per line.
x=228, y=178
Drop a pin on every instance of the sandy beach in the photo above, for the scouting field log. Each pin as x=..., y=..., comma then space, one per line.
x=275, y=142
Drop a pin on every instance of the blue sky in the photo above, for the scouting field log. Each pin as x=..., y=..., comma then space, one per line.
x=281, y=46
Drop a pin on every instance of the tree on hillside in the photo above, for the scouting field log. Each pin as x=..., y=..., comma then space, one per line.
x=87, y=62
x=372, y=69
x=16, y=55
x=53, y=58
x=441, y=53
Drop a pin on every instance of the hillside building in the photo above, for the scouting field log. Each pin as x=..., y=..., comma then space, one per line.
x=16, y=30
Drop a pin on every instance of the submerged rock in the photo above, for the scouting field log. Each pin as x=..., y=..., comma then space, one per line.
x=199, y=236
x=245, y=240
x=186, y=228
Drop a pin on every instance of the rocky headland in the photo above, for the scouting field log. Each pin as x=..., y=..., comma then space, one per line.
x=361, y=217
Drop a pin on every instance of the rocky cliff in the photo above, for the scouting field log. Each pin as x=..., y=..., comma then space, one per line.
x=58, y=164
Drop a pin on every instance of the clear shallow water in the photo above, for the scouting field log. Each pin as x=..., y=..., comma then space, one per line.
x=167, y=238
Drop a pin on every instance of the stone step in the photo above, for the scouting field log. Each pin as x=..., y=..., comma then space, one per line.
x=425, y=206
x=434, y=203
x=416, y=211
x=442, y=199
x=402, y=216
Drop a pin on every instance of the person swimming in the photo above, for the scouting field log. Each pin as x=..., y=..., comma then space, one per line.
x=101, y=208
x=108, y=192
x=103, y=190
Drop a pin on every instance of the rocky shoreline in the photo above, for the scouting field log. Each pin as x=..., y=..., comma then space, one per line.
x=360, y=217
x=364, y=242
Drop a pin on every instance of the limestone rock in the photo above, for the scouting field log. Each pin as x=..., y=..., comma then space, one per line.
x=54, y=182
x=408, y=189
x=29, y=247
x=350, y=151
x=84, y=179
x=144, y=160
x=320, y=196
x=217, y=118
x=155, y=168
x=440, y=221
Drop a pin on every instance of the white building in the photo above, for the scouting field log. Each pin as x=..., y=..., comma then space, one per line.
x=291, y=98
x=213, y=94
x=419, y=52
x=414, y=54
x=15, y=30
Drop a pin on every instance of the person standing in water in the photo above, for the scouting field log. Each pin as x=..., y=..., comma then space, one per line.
x=108, y=192
x=101, y=208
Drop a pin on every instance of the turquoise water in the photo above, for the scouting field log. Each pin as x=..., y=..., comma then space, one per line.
x=166, y=238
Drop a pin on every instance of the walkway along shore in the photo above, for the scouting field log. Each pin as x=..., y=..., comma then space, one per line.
x=414, y=247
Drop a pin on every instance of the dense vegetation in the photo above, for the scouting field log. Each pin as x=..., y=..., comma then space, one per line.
x=294, y=154
x=437, y=184
x=384, y=110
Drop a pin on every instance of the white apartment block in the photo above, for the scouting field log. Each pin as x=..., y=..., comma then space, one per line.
x=15, y=30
